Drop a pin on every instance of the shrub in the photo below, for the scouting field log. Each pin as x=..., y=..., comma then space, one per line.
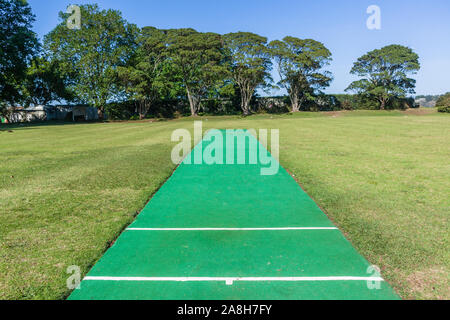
x=273, y=104
x=120, y=110
x=401, y=103
x=127, y=110
x=443, y=101
x=444, y=109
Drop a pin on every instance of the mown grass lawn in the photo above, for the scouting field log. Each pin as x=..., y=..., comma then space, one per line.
x=67, y=191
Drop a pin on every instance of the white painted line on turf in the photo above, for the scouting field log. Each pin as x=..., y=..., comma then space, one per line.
x=227, y=229
x=231, y=280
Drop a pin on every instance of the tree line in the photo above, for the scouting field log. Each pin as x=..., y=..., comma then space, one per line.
x=109, y=61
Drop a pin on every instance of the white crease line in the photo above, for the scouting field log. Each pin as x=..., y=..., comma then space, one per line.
x=230, y=280
x=226, y=229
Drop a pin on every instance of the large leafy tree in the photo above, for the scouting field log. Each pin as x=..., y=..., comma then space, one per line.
x=300, y=65
x=385, y=73
x=45, y=83
x=143, y=77
x=92, y=54
x=198, y=60
x=250, y=63
x=18, y=45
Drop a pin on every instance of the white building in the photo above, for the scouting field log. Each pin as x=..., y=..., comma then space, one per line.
x=47, y=113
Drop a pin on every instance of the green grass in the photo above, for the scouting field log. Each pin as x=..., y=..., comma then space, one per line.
x=67, y=191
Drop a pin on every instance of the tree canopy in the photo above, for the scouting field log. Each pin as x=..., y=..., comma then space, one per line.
x=143, y=76
x=250, y=63
x=92, y=54
x=444, y=100
x=300, y=65
x=18, y=45
x=385, y=73
x=45, y=83
x=199, y=60
x=109, y=63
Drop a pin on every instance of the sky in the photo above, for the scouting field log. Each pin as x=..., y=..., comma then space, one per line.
x=340, y=25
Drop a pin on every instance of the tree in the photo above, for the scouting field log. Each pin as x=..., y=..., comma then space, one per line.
x=444, y=100
x=385, y=73
x=143, y=76
x=18, y=44
x=44, y=83
x=92, y=54
x=250, y=63
x=198, y=58
x=300, y=64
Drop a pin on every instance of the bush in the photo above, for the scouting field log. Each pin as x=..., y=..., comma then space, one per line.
x=357, y=102
x=326, y=103
x=127, y=110
x=366, y=102
x=170, y=108
x=121, y=110
x=443, y=101
x=220, y=106
x=273, y=104
x=444, y=109
x=401, y=103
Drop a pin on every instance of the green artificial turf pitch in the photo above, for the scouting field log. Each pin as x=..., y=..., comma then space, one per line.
x=222, y=231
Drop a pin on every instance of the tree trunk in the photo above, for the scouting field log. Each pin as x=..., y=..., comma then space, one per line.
x=100, y=112
x=140, y=109
x=245, y=101
x=295, y=102
x=246, y=111
x=382, y=104
x=144, y=108
x=193, y=103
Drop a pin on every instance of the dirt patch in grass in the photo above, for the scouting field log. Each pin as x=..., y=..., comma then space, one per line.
x=334, y=114
x=427, y=284
x=419, y=112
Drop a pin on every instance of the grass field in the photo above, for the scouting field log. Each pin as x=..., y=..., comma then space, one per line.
x=67, y=191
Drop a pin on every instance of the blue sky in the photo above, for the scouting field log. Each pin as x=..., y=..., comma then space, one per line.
x=339, y=24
